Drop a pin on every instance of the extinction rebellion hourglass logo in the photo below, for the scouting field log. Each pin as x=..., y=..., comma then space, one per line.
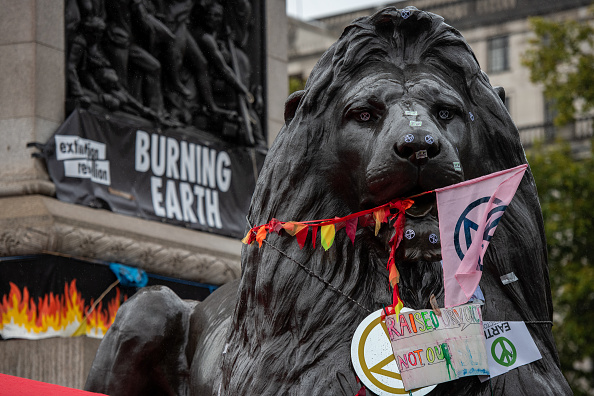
x=466, y=227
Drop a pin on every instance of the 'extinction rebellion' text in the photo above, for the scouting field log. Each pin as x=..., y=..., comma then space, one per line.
x=187, y=178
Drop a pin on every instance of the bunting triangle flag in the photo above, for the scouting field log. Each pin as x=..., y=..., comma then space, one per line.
x=328, y=232
x=469, y=213
x=374, y=217
x=351, y=229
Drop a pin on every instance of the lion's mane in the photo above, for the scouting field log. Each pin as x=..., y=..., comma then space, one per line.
x=291, y=331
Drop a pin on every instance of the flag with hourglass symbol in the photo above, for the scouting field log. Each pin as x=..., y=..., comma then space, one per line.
x=469, y=213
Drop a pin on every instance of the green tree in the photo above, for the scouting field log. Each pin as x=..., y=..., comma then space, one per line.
x=561, y=58
x=566, y=193
x=296, y=84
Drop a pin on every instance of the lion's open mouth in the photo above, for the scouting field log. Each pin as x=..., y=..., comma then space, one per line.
x=421, y=240
x=421, y=232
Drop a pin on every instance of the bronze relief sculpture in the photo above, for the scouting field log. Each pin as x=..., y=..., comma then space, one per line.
x=177, y=63
x=285, y=327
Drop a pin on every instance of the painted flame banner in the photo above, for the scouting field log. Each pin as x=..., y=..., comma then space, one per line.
x=54, y=314
x=49, y=295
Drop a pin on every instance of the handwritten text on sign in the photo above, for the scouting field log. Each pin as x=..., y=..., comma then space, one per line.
x=431, y=349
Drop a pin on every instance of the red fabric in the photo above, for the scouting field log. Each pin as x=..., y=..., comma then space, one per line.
x=15, y=386
x=362, y=391
x=302, y=236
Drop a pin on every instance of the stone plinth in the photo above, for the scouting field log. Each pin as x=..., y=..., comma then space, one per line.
x=35, y=224
x=60, y=361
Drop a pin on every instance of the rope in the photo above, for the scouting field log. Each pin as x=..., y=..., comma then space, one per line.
x=314, y=275
x=539, y=322
x=81, y=329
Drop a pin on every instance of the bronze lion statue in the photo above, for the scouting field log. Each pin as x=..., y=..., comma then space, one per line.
x=285, y=327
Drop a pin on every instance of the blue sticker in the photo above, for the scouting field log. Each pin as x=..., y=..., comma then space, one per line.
x=409, y=138
x=471, y=116
x=433, y=239
x=129, y=276
x=477, y=297
x=405, y=14
x=429, y=139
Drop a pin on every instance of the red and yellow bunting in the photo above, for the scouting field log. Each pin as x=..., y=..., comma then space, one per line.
x=328, y=228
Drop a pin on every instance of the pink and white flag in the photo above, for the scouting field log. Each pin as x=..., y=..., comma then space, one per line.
x=469, y=213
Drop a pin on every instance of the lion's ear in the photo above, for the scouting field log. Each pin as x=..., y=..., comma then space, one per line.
x=291, y=105
x=501, y=92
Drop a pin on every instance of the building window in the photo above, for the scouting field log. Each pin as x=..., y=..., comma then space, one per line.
x=498, y=54
x=550, y=113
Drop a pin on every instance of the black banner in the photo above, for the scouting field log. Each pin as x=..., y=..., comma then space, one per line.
x=179, y=176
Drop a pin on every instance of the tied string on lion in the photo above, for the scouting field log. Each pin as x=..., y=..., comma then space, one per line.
x=390, y=212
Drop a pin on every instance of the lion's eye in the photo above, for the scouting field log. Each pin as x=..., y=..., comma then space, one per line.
x=445, y=114
x=364, y=116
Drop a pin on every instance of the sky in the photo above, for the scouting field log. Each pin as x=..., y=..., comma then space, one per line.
x=311, y=9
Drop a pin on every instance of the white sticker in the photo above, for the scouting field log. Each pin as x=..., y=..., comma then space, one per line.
x=509, y=345
x=415, y=123
x=70, y=147
x=97, y=171
x=421, y=154
x=408, y=112
x=374, y=361
x=508, y=278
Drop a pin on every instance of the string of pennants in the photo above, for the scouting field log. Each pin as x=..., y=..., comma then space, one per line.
x=392, y=211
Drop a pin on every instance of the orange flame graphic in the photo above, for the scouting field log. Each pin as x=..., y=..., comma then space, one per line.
x=53, y=315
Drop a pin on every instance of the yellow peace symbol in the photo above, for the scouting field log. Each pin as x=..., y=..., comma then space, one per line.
x=379, y=367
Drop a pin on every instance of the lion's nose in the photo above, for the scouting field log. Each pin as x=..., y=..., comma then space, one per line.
x=417, y=147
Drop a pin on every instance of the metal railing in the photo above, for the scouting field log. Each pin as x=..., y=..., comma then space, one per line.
x=579, y=130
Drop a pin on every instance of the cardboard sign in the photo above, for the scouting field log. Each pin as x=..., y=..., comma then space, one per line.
x=509, y=345
x=431, y=349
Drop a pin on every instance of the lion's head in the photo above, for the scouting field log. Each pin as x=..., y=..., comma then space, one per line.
x=396, y=107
